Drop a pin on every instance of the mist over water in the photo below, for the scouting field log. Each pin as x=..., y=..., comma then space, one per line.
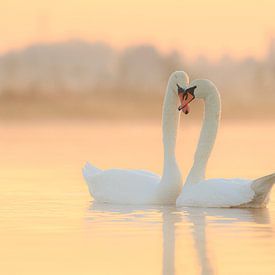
x=38, y=79
x=64, y=104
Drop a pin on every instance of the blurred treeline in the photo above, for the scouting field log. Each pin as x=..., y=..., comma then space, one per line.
x=79, y=79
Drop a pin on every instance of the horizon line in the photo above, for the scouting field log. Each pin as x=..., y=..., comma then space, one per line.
x=194, y=57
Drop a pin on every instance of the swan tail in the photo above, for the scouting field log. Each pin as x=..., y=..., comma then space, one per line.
x=90, y=171
x=262, y=187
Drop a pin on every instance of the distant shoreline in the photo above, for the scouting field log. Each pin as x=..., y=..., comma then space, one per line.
x=104, y=107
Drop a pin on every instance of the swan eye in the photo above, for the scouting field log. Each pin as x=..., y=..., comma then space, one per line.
x=191, y=90
x=180, y=89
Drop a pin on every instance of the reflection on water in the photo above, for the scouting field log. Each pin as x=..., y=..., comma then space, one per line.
x=201, y=219
x=175, y=223
x=49, y=226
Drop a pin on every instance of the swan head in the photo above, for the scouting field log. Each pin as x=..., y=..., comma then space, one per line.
x=200, y=89
x=186, y=95
x=204, y=88
x=179, y=79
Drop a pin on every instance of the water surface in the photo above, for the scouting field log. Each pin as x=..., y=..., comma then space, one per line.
x=49, y=224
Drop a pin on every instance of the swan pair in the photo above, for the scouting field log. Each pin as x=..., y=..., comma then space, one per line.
x=143, y=187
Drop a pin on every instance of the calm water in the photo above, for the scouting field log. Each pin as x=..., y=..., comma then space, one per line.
x=49, y=225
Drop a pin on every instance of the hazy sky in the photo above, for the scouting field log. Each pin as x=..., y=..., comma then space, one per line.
x=194, y=27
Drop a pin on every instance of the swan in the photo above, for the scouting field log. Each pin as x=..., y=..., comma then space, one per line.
x=201, y=192
x=142, y=187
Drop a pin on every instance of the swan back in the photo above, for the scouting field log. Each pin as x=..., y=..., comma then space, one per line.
x=216, y=193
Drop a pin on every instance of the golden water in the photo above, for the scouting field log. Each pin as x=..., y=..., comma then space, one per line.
x=48, y=224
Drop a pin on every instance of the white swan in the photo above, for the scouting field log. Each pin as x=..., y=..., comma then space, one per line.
x=217, y=192
x=138, y=186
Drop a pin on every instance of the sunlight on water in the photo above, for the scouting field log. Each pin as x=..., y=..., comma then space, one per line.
x=48, y=224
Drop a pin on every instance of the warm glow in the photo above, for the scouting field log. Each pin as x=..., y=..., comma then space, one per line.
x=49, y=225
x=193, y=27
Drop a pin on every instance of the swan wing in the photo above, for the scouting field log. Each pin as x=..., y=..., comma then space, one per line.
x=123, y=186
x=216, y=193
x=146, y=173
x=90, y=171
x=261, y=187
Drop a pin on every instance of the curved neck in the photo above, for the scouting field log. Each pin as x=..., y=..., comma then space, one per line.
x=207, y=136
x=170, y=121
x=171, y=176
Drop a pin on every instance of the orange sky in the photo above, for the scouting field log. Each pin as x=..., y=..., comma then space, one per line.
x=193, y=27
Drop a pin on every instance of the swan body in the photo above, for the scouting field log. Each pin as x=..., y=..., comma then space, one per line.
x=216, y=193
x=138, y=186
x=199, y=192
x=116, y=185
x=227, y=193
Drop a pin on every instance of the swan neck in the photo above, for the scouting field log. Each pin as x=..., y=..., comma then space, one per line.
x=171, y=180
x=170, y=121
x=207, y=136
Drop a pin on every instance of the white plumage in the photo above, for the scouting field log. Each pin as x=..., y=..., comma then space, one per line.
x=218, y=192
x=143, y=187
x=117, y=185
x=138, y=186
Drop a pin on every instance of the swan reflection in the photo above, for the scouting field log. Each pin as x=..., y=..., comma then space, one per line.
x=169, y=219
x=202, y=218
